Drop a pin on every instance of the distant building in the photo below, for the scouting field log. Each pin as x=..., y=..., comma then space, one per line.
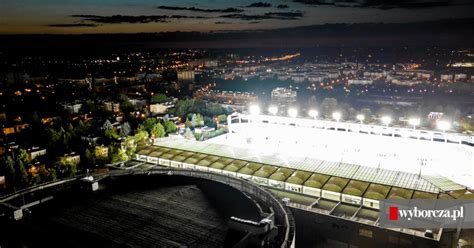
x=72, y=108
x=446, y=77
x=460, y=77
x=283, y=96
x=435, y=115
x=186, y=75
x=112, y=106
x=226, y=97
x=137, y=102
x=35, y=152
x=160, y=108
x=203, y=63
x=359, y=81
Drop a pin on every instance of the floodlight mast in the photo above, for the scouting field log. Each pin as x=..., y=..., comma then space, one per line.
x=414, y=122
x=361, y=118
x=336, y=116
x=313, y=113
x=273, y=110
x=386, y=120
x=444, y=126
x=293, y=112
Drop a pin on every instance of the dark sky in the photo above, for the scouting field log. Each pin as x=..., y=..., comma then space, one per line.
x=135, y=16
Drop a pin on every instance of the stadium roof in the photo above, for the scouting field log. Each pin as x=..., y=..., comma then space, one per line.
x=375, y=183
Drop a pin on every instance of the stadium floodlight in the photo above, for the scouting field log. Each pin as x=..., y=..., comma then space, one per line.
x=254, y=109
x=443, y=125
x=336, y=116
x=273, y=110
x=386, y=120
x=313, y=113
x=361, y=118
x=292, y=112
x=414, y=122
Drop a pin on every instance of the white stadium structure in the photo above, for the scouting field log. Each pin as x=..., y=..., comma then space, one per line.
x=420, y=152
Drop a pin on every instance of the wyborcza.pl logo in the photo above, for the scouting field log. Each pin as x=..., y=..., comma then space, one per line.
x=427, y=213
x=409, y=214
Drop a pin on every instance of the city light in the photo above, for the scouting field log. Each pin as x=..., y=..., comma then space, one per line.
x=361, y=118
x=254, y=109
x=292, y=112
x=273, y=110
x=313, y=113
x=414, y=122
x=443, y=125
x=336, y=116
x=386, y=120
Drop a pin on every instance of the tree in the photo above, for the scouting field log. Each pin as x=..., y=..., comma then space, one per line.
x=140, y=136
x=21, y=176
x=149, y=123
x=90, y=158
x=158, y=131
x=187, y=123
x=188, y=134
x=111, y=134
x=119, y=156
x=197, y=120
x=126, y=107
x=88, y=107
x=328, y=106
x=107, y=125
x=367, y=113
x=170, y=127
x=159, y=98
x=222, y=118
x=9, y=169
x=125, y=129
x=129, y=145
x=66, y=167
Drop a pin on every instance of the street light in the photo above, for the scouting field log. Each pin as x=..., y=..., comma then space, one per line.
x=254, y=109
x=273, y=110
x=444, y=125
x=292, y=112
x=361, y=118
x=414, y=122
x=313, y=113
x=336, y=116
x=386, y=120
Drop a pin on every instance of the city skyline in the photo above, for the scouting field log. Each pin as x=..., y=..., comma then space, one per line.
x=145, y=16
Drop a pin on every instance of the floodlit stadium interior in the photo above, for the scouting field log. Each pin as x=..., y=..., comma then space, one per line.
x=342, y=170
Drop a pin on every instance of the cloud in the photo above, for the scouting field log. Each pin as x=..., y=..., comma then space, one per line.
x=252, y=22
x=72, y=25
x=389, y=4
x=259, y=5
x=116, y=19
x=266, y=16
x=226, y=10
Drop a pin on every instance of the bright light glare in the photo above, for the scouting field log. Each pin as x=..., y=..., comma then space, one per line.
x=360, y=117
x=386, y=120
x=414, y=121
x=313, y=113
x=254, y=110
x=273, y=110
x=292, y=112
x=444, y=125
x=336, y=116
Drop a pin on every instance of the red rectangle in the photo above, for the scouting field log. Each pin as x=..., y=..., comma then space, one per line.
x=393, y=213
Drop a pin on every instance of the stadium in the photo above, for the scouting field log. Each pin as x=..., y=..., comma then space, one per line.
x=343, y=168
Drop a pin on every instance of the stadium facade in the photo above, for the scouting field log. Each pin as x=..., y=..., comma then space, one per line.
x=349, y=165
